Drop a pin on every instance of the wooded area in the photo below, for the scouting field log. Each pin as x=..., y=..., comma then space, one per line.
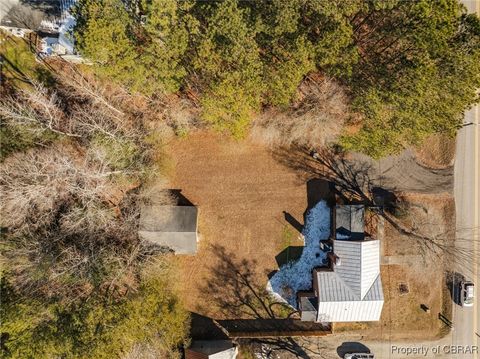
x=76, y=280
x=410, y=68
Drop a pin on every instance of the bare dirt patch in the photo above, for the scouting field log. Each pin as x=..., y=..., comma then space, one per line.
x=437, y=151
x=250, y=209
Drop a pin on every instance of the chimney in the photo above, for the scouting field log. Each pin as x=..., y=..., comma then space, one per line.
x=334, y=259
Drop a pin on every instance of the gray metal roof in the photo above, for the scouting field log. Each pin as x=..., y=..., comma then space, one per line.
x=308, y=306
x=376, y=291
x=352, y=289
x=359, y=264
x=336, y=303
x=171, y=226
x=332, y=288
x=349, y=221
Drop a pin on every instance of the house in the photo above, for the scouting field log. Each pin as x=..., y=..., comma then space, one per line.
x=20, y=19
x=50, y=20
x=172, y=226
x=212, y=349
x=349, y=289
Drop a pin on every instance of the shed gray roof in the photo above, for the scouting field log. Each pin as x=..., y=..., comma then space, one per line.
x=349, y=221
x=171, y=226
x=308, y=306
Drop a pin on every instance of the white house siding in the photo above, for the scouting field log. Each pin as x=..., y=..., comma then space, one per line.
x=226, y=354
x=354, y=311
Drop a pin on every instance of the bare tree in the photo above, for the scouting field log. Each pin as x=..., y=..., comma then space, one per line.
x=353, y=182
x=72, y=208
x=63, y=228
x=40, y=109
x=37, y=110
x=78, y=85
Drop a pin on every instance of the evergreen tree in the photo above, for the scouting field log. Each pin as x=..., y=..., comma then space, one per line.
x=229, y=67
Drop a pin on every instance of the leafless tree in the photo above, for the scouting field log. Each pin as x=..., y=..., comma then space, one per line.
x=75, y=85
x=425, y=228
x=39, y=109
x=36, y=109
x=33, y=183
x=56, y=204
x=72, y=208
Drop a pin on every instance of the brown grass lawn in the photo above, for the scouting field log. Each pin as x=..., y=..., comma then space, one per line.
x=242, y=193
x=437, y=151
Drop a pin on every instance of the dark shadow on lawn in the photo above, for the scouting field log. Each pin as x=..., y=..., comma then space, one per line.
x=293, y=222
x=235, y=290
x=179, y=198
x=289, y=254
x=205, y=328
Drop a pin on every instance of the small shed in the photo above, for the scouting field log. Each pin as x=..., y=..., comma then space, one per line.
x=170, y=226
x=212, y=349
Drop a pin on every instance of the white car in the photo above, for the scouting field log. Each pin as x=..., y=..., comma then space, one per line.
x=467, y=294
x=359, y=356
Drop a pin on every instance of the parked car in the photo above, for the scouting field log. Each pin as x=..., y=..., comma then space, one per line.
x=467, y=294
x=359, y=356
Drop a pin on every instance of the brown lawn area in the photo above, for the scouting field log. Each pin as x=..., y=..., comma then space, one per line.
x=242, y=193
x=437, y=151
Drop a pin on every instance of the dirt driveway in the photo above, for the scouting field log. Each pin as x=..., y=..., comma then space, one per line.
x=403, y=173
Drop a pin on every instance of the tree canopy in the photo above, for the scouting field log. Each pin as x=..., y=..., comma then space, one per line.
x=411, y=67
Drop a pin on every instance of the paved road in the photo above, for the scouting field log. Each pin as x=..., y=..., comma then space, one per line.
x=466, y=188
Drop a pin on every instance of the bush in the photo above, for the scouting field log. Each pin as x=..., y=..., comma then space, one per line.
x=315, y=121
x=101, y=327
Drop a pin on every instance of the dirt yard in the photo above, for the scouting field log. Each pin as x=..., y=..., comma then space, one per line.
x=244, y=198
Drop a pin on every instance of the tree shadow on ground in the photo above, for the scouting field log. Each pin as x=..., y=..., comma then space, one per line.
x=353, y=184
x=235, y=290
x=351, y=180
